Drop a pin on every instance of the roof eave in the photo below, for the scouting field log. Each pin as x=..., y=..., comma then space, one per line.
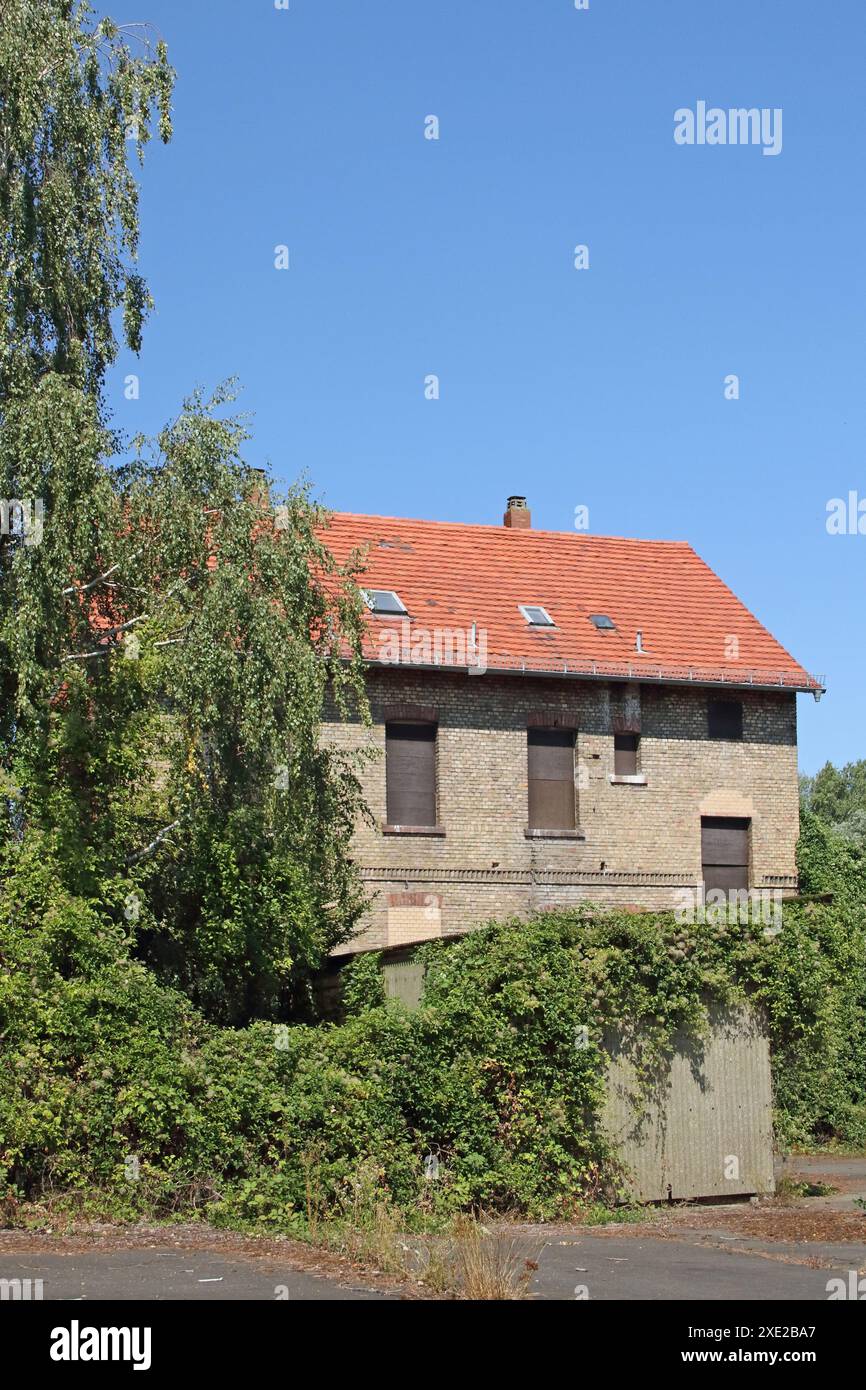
x=812, y=685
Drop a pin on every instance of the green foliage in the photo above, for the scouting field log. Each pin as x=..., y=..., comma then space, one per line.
x=250, y=634
x=362, y=983
x=76, y=98
x=821, y=987
x=174, y=845
x=837, y=797
x=172, y=657
x=813, y=987
x=830, y=862
x=168, y=643
x=275, y=1126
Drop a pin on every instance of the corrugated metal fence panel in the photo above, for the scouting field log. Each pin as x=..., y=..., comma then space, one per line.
x=708, y=1130
x=404, y=980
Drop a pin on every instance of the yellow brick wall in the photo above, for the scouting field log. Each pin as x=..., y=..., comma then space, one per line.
x=641, y=842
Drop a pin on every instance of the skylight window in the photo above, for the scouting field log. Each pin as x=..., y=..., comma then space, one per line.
x=384, y=601
x=535, y=615
x=602, y=622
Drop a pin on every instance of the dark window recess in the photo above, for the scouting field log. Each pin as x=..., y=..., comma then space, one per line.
x=725, y=853
x=410, y=774
x=551, y=779
x=725, y=719
x=625, y=755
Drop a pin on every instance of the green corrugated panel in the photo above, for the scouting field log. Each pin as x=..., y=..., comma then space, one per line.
x=404, y=980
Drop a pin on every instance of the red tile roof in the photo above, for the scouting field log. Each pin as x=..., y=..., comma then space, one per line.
x=451, y=576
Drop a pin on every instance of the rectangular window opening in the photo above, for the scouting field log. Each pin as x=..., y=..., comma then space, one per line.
x=625, y=751
x=725, y=719
x=725, y=853
x=551, y=779
x=410, y=774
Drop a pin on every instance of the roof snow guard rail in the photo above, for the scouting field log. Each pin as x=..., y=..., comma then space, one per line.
x=743, y=678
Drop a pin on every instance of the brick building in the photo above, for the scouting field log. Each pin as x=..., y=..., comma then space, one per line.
x=561, y=718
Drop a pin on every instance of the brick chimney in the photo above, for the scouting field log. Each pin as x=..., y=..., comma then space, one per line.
x=517, y=515
x=259, y=493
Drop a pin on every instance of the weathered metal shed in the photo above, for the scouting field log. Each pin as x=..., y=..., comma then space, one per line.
x=706, y=1131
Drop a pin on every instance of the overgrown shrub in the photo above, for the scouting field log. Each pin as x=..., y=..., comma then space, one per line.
x=112, y=1087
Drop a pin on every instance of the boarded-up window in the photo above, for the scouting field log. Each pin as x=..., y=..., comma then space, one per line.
x=625, y=755
x=551, y=779
x=725, y=719
x=725, y=852
x=410, y=774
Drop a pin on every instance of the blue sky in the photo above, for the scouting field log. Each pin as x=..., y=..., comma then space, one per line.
x=409, y=257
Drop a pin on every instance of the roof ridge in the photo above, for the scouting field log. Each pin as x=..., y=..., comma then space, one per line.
x=499, y=529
